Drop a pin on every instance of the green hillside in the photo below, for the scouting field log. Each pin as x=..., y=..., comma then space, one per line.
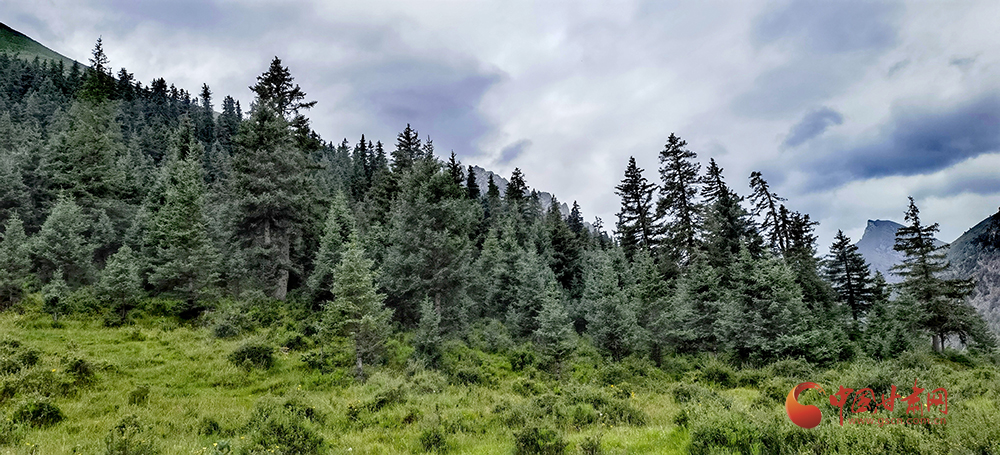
x=15, y=42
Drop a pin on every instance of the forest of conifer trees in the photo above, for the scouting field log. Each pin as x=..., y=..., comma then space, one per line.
x=121, y=201
x=117, y=192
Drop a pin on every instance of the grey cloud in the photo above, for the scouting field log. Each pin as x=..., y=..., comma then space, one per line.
x=813, y=124
x=963, y=62
x=513, y=150
x=173, y=13
x=830, y=27
x=917, y=141
x=897, y=67
x=832, y=44
x=433, y=96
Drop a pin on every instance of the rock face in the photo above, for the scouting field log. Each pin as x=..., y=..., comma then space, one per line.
x=483, y=176
x=876, y=246
x=976, y=255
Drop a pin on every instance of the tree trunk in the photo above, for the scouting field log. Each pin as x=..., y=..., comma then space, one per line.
x=284, y=261
x=936, y=341
x=360, y=373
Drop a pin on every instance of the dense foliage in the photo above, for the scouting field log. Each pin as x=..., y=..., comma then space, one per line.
x=131, y=202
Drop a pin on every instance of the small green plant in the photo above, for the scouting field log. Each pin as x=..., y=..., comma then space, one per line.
x=433, y=440
x=129, y=437
x=253, y=355
x=538, y=441
x=274, y=426
x=139, y=395
x=38, y=412
x=209, y=426
x=591, y=445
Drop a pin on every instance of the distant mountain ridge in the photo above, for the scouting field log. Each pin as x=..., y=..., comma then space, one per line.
x=17, y=43
x=482, y=179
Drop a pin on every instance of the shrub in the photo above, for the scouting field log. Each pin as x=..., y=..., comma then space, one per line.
x=433, y=440
x=591, y=445
x=253, y=355
x=128, y=437
x=797, y=369
x=139, y=395
x=11, y=433
x=522, y=357
x=38, y=412
x=275, y=427
x=584, y=414
x=538, y=441
x=81, y=370
x=209, y=426
x=718, y=373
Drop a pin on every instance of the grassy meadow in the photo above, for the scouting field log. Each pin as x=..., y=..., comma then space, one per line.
x=165, y=386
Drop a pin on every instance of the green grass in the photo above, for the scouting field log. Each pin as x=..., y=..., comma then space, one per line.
x=15, y=42
x=199, y=401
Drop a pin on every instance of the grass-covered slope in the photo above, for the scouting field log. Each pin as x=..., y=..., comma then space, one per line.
x=163, y=387
x=16, y=43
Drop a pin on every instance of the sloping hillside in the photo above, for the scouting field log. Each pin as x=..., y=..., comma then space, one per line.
x=15, y=42
x=976, y=254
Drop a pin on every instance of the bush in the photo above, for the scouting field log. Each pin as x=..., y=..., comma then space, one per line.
x=275, y=427
x=253, y=355
x=796, y=369
x=433, y=440
x=38, y=412
x=11, y=433
x=128, y=437
x=139, y=395
x=209, y=426
x=591, y=445
x=538, y=441
x=81, y=370
x=718, y=373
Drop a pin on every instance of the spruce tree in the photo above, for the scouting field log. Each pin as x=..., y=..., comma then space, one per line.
x=679, y=197
x=517, y=189
x=361, y=170
x=766, y=205
x=407, y=149
x=848, y=272
x=554, y=334
x=427, y=340
x=611, y=316
x=764, y=317
x=82, y=155
x=336, y=234
x=359, y=310
x=492, y=190
x=471, y=186
x=205, y=118
x=455, y=170
x=429, y=244
x=15, y=263
x=271, y=183
x=637, y=222
x=120, y=284
x=55, y=297
x=276, y=89
x=942, y=306
x=183, y=257
x=61, y=245
x=566, y=256
x=727, y=223
x=98, y=86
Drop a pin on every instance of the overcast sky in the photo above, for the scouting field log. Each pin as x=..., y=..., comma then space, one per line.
x=846, y=107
